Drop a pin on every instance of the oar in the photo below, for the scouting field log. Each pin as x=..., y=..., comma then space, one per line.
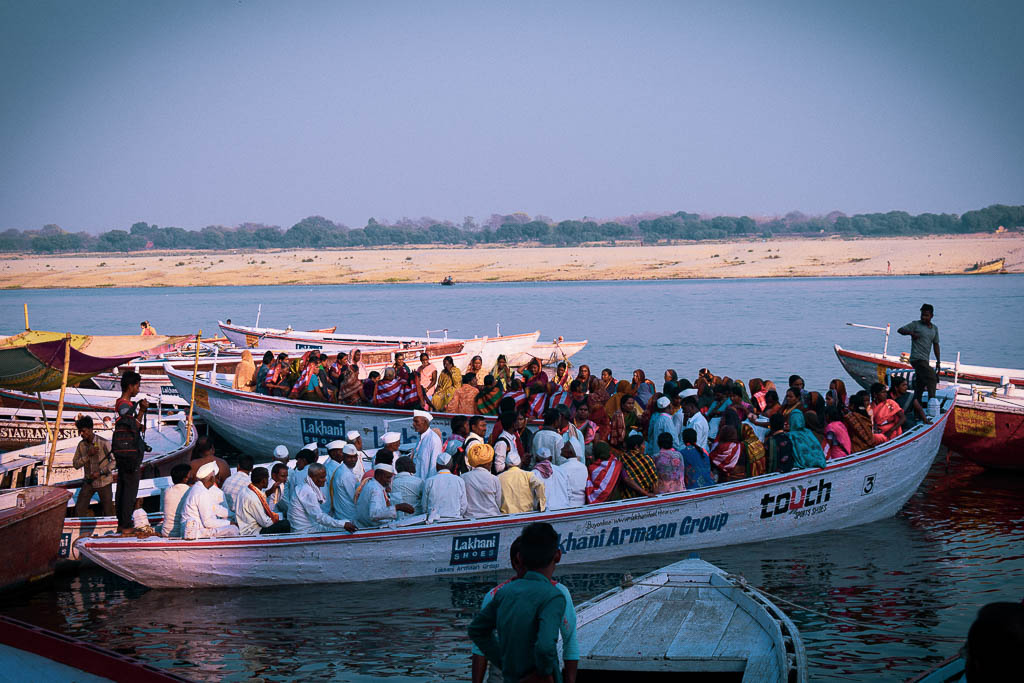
x=192, y=399
x=60, y=406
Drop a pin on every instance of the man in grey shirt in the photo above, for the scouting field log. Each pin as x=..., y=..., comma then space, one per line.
x=924, y=337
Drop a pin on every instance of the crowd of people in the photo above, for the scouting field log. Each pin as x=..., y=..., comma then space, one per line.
x=600, y=439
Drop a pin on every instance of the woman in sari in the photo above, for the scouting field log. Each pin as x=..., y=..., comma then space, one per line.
x=753, y=452
x=501, y=373
x=639, y=473
x=463, y=400
x=562, y=378
x=725, y=456
x=533, y=374
x=837, y=436
x=757, y=392
x=448, y=380
x=476, y=367
x=586, y=379
x=670, y=466
x=355, y=359
x=886, y=414
x=488, y=398
x=351, y=388
x=596, y=401
x=771, y=403
x=643, y=388
x=806, y=447
x=623, y=420
x=607, y=381
x=792, y=401
x=605, y=471
x=245, y=373
x=838, y=386
x=814, y=425
x=858, y=423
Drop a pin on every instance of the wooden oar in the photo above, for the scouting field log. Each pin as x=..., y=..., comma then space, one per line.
x=60, y=406
x=192, y=399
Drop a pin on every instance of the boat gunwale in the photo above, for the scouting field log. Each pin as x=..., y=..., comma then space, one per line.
x=885, y=361
x=273, y=332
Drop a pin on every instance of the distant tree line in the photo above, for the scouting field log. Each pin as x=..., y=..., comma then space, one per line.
x=518, y=228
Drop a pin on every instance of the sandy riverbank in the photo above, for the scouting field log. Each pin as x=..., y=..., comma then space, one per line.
x=745, y=259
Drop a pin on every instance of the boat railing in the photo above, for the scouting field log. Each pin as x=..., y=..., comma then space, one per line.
x=886, y=329
x=444, y=330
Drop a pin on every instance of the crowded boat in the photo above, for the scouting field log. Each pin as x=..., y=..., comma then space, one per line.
x=561, y=440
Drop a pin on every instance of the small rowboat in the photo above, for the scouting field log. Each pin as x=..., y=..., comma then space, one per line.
x=689, y=617
x=860, y=488
x=166, y=436
x=510, y=346
x=987, y=426
x=987, y=268
x=30, y=523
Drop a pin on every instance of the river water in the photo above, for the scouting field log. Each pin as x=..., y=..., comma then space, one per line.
x=902, y=585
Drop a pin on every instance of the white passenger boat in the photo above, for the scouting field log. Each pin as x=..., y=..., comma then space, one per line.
x=867, y=368
x=78, y=400
x=860, y=488
x=257, y=423
x=511, y=346
x=551, y=353
x=689, y=618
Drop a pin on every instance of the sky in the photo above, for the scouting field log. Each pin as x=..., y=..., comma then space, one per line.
x=218, y=113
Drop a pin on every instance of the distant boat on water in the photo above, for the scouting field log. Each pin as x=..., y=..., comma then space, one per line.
x=448, y=281
x=987, y=268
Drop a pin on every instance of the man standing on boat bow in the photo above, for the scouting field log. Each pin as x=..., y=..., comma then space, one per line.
x=924, y=337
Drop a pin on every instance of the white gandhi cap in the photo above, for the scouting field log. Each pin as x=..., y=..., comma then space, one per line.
x=335, y=445
x=391, y=437
x=207, y=470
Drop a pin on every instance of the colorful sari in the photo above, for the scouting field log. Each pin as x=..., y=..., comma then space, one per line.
x=753, y=450
x=697, y=467
x=806, y=447
x=351, y=388
x=725, y=456
x=604, y=476
x=859, y=428
x=447, y=383
x=671, y=471
x=641, y=469
x=463, y=400
x=885, y=415
x=487, y=401
x=838, y=439
x=596, y=400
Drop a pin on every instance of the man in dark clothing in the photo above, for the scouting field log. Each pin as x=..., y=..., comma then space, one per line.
x=924, y=337
x=128, y=448
x=527, y=613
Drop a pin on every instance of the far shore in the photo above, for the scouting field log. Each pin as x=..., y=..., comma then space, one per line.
x=790, y=257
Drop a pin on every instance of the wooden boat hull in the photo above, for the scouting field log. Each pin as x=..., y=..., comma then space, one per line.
x=267, y=338
x=91, y=401
x=256, y=423
x=689, y=618
x=988, y=431
x=858, y=489
x=868, y=368
x=30, y=532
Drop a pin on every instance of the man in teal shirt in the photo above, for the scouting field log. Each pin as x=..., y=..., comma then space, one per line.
x=527, y=612
x=925, y=337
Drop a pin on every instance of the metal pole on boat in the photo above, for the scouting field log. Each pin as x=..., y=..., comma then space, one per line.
x=42, y=410
x=259, y=309
x=956, y=369
x=885, y=349
x=60, y=406
x=192, y=399
x=26, y=318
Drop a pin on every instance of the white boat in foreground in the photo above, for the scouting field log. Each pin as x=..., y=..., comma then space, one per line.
x=689, y=617
x=861, y=488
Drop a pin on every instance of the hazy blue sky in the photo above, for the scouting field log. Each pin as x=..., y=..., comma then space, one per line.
x=198, y=113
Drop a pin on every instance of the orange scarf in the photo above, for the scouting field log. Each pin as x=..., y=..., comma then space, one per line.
x=266, y=506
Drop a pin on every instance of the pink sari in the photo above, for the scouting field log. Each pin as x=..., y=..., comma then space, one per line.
x=837, y=436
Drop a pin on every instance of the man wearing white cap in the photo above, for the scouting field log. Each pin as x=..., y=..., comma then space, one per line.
x=428, y=447
x=305, y=511
x=281, y=454
x=356, y=439
x=306, y=456
x=199, y=514
x=444, y=496
x=374, y=507
x=342, y=485
x=661, y=422
x=334, y=457
x=695, y=420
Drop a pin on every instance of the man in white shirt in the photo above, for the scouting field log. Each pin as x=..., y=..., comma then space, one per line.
x=373, y=506
x=199, y=514
x=334, y=457
x=252, y=511
x=444, y=496
x=548, y=437
x=427, y=448
x=694, y=419
x=234, y=484
x=483, y=489
x=505, y=447
x=281, y=454
x=406, y=487
x=356, y=439
x=297, y=477
x=342, y=485
x=174, y=496
x=554, y=479
x=576, y=476
x=305, y=512
x=275, y=494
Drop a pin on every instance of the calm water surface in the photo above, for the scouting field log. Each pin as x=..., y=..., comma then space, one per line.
x=958, y=544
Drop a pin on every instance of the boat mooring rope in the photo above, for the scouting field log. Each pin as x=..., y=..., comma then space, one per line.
x=909, y=635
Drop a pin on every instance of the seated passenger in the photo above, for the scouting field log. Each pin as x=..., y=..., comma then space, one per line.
x=373, y=508
x=386, y=390
x=554, y=479
x=252, y=510
x=806, y=447
x=520, y=491
x=696, y=464
x=886, y=414
x=778, y=446
x=406, y=487
x=444, y=494
x=201, y=515
x=305, y=510
x=725, y=456
x=837, y=436
x=483, y=489
x=670, y=465
x=605, y=472
x=463, y=401
x=173, y=497
x=488, y=397
x=858, y=423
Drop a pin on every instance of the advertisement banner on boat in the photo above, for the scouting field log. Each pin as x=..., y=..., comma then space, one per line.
x=322, y=431
x=641, y=527
x=474, y=549
x=974, y=422
x=801, y=501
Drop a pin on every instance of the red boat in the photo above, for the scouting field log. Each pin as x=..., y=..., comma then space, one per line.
x=35, y=653
x=987, y=425
x=31, y=520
